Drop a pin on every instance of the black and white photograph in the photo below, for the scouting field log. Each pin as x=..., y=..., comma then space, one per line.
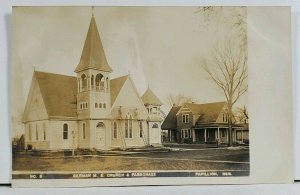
x=130, y=92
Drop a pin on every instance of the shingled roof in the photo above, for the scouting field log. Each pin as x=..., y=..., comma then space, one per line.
x=93, y=55
x=116, y=86
x=208, y=112
x=171, y=120
x=59, y=92
x=149, y=98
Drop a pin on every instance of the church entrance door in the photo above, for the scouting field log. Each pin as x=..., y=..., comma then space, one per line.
x=100, y=135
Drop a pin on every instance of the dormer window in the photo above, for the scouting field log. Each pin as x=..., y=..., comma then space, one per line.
x=185, y=118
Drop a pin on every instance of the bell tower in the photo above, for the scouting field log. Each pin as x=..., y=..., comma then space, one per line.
x=93, y=76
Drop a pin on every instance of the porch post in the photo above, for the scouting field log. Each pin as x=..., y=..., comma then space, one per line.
x=170, y=135
x=204, y=134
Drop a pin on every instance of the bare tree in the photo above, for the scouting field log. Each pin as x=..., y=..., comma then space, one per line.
x=242, y=114
x=228, y=70
x=178, y=100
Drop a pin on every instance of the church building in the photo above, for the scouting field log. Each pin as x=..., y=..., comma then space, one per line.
x=90, y=111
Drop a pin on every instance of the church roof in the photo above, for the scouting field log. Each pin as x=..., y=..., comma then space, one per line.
x=149, y=98
x=116, y=86
x=93, y=55
x=59, y=92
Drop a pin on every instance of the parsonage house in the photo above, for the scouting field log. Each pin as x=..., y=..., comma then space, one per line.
x=90, y=111
x=202, y=123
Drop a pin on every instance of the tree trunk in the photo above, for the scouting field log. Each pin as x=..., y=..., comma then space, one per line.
x=230, y=141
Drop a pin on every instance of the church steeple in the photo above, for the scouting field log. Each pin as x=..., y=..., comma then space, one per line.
x=93, y=55
x=93, y=76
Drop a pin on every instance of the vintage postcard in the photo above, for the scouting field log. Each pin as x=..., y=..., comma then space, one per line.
x=129, y=93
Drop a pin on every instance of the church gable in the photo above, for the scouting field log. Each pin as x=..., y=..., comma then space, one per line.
x=35, y=107
x=129, y=97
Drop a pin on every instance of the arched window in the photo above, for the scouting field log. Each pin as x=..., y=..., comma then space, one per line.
x=104, y=105
x=100, y=105
x=92, y=81
x=86, y=105
x=96, y=105
x=130, y=127
x=141, y=128
x=81, y=106
x=83, y=82
x=115, y=130
x=106, y=83
x=99, y=82
x=83, y=130
x=155, y=125
x=100, y=124
x=65, y=131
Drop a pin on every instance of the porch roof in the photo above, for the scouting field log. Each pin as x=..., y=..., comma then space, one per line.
x=220, y=125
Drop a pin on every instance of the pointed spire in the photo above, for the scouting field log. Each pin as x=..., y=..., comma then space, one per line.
x=93, y=55
x=149, y=98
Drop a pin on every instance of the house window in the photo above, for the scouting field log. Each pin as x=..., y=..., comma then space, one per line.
x=44, y=130
x=86, y=105
x=141, y=129
x=83, y=130
x=100, y=105
x=185, y=118
x=96, y=105
x=186, y=133
x=65, y=131
x=115, y=130
x=36, y=132
x=104, y=105
x=81, y=106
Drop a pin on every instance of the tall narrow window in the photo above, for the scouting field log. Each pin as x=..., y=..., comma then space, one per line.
x=104, y=105
x=130, y=127
x=126, y=127
x=141, y=129
x=115, y=130
x=65, y=131
x=29, y=133
x=106, y=84
x=36, y=132
x=44, y=130
x=185, y=118
x=83, y=82
x=92, y=81
x=100, y=105
x=83, y=130
x=96, y=105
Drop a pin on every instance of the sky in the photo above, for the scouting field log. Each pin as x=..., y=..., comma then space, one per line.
x=160, y=47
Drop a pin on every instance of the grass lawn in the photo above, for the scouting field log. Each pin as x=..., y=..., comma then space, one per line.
x=210, y=159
